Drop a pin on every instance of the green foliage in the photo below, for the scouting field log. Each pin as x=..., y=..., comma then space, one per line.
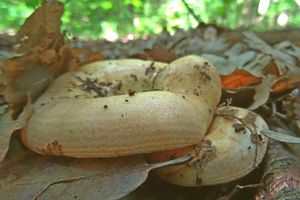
x=99, y=18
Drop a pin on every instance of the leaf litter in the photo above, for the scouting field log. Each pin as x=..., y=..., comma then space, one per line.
x=8, y=126
x=32, y=176
x=247, y=64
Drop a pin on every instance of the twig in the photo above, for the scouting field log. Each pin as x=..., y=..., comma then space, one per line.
x=172, y=47
x=191, y=11
x=274, y=112
x=58, y=182
x=237, y=188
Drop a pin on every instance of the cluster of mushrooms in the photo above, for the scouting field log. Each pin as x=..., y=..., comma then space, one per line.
x=126, y=107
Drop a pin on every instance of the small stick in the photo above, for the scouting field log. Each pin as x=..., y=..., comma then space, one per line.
x=274, y=111
x=237, y=188
x=68, y=180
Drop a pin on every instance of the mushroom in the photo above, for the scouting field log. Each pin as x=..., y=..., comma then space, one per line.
x=232, y=148
x=125, y=107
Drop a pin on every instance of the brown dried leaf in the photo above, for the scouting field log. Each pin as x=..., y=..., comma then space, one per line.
x=34, y=80
x=44, y=56
x=259, y=65
x=289, y=48
x=283, y=60
x=46, y=19
x=39, y=177
x=234, y=59
x=287, y=82
x=160, y=53
x=33, y=71
x=8, y=126
x=262, y=92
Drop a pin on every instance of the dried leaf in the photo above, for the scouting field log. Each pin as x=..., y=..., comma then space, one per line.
x=46, y=19
x=290, y=81
x=281, y=137
x=160, y=53
x=32, y=81
x=39, y=177
x=83, y=56
x=235, y=59
x=259, y=65
x=8, y=126
x=294, y=51
x=262, y=92
x=195, y=44
x=239, y=78
x=31, y=73
x=282, y=60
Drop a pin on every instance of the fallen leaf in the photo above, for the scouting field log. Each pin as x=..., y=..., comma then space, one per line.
x=62, y=64
x=81, y=57
x=44, y=56
x=33, y=80
x=283, y=61
x=158, y=53
x=281, y=137
x=262, y=92
x=259, y=65
x=234, y=59
x=49, y=56
x=239, y=78
x=287, y=82
x=8, y=126
x=32, y=176
x=198, y=45
x=46, y=19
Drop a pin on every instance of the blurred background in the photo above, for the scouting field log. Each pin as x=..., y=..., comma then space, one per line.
x=129, y=19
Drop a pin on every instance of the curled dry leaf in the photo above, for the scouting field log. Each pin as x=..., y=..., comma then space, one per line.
x=239, y=78
x=287, y=82
x=262, y=92
x=283, y=61
x=46, y=19
x=45, y=56
x=38, y=177
x=8, y=126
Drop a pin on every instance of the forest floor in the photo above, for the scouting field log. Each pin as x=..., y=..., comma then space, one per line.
x=259, y=71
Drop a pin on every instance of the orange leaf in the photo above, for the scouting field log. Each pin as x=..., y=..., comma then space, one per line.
x=95, y=57
x=13, y=68
x=239, y=78
x=286, y=84
x=76, y=52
